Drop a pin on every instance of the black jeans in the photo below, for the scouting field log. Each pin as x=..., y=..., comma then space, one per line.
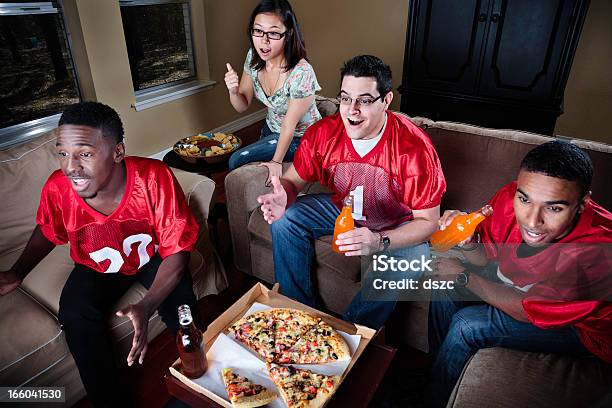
x=85, y=305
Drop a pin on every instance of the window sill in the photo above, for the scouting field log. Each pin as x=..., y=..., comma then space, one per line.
x=23, y=132
x=148, y=99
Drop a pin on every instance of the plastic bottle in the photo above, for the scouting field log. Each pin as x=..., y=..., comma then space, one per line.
x=190, y=344
x=344, y=222
x=461, y=228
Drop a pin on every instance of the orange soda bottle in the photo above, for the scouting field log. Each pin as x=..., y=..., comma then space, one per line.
x=344, y=222
x=460, y=229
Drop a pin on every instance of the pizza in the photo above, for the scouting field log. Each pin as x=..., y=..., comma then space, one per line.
x=290, y=325
x=321, y=344
x=258, y=332
x=302, y=388
x=290, y=336
x=242, y=393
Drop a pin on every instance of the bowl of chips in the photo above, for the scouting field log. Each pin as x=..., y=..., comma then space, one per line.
x=210, y=147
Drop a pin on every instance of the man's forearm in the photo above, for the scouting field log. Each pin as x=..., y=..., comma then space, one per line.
x=414, y=232
x=167, y=278
x=36, y=249
x=502, y=297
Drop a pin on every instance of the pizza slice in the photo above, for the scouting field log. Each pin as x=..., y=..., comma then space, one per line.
x=290, y=325
x=257, y=331
x=320, y=344
x=303, y=388
x=244, y=394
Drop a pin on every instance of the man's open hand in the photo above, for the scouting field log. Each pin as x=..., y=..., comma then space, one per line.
x=139, y=316
x=359, y=241
x=448, y=217
x=9, y=281
x=273, y=204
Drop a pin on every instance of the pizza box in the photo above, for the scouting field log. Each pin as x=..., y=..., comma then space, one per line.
x=269, y=297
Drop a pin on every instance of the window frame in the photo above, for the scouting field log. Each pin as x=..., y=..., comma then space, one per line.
x=22, y=132
x=159, y=94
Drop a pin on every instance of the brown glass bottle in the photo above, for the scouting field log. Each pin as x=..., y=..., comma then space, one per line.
x=189, y=341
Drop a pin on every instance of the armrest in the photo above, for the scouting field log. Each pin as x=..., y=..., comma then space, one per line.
x=199, y=191
x=242, y=187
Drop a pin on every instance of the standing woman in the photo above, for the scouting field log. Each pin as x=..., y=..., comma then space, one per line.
x=277, y=73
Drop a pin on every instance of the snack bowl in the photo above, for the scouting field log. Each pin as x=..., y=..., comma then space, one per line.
x=210, y=147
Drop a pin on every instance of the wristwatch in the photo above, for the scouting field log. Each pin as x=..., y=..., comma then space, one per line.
x=384, y=242
x=462, y=279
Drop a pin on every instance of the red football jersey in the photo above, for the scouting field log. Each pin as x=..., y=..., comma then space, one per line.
x=400, y=174
x=153, y=216
x=566, y=283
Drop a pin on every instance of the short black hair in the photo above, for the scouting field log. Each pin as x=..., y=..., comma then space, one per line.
x=96, y=115
x=295, y=48
x=369, y=66
x=562, y=160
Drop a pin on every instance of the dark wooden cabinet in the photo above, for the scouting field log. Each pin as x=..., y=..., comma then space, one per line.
x=494, y=63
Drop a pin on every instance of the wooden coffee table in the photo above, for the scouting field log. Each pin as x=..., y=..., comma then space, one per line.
x=357, y=389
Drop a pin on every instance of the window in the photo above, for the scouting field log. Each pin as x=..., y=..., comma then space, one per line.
x=37, y=77
x=158, y=39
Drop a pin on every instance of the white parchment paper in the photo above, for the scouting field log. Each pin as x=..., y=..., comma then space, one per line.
x=228, y=353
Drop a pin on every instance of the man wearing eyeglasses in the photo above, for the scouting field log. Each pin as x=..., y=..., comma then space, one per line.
x=389, y=167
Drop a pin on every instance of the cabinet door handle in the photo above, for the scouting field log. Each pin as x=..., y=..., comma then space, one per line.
x=495, y=18
x=482, y=17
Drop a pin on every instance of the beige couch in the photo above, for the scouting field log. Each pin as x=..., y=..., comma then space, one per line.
x=476, y=163
x=33, y=350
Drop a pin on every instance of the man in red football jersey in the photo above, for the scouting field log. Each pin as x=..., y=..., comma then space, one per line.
x=127, y=220
x=541, y=263
x=390, y=168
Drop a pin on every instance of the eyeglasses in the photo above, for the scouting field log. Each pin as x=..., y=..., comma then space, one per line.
x=364, y=101
x=272, y=35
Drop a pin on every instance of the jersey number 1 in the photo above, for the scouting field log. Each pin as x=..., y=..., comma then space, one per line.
x=357, y=194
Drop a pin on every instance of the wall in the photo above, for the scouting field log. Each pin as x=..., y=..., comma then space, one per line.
x=101, y=59
x=588, y=95
x=334, y=31
x=337, y=30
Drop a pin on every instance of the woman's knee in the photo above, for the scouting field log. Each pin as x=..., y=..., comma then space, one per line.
x=238, y=158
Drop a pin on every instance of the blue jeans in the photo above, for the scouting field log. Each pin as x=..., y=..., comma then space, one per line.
x=262, y=150
x=309, y=218
x=458, y=329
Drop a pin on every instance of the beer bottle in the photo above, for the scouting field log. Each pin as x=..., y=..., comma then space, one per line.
x=189, y=341
x=460, y=229
x=344, y=222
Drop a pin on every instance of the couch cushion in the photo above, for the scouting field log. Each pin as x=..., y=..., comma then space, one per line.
x=31, y=339
x=477, y=161
x=601, y=155
x=509, y=378
x=347, y=267
x=48, y=278
x=24, y=169
x=326, y=106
